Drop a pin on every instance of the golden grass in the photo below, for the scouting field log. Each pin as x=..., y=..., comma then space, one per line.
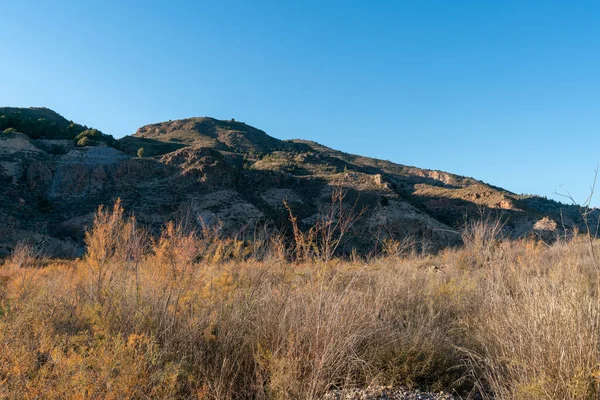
x=188, y=315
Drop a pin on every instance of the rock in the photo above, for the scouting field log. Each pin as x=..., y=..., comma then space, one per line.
x=39, y=177
x=17, y=143
x=385, y=393
x=545, y=224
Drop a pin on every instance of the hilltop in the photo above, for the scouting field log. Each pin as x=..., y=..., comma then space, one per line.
x=235, y=177
x=43, y=123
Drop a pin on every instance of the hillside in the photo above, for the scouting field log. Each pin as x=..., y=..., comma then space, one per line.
x=233, y=177
x=45, y=124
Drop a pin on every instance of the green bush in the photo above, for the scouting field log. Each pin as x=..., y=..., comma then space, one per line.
x=141, y=152
x=96, y=137
x=10, y=130
x=84, y=141
x=90, y=134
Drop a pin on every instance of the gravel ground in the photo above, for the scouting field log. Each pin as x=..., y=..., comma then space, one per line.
x=385, y=393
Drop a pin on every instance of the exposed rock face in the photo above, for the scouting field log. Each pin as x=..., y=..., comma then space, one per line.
x=277, y=197
x=401, y=219
x=17, y=143
x=225, y=208
x=39, y=177
x=201, y=165
x=545, y=224
x=232, y=176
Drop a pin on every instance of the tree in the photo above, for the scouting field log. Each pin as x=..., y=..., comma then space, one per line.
x=3, y=122
x=141, y=152
x=84, y=141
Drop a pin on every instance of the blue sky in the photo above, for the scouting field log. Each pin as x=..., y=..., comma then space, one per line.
x=504, y=91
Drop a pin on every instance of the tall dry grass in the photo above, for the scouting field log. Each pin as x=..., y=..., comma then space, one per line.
x=188, y=314
x=537, y=333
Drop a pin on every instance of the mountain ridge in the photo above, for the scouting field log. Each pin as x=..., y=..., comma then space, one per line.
x=235, y=175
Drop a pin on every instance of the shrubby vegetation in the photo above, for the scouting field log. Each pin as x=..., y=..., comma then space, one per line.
x=84, y=141
x=131, y=145
x=42, y=123
x=39, y=123
x=93, y=137
x=188, y=314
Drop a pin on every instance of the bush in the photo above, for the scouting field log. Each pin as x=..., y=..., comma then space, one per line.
x=141, y=152
x=96, y=137
x=84, y=141
x=93, y=134
x=482, y=236
x=10, y=130
x=188, y=314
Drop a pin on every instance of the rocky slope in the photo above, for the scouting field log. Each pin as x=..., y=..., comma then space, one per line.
x=229, y=174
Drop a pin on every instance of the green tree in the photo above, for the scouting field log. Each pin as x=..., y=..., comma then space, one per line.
x=141, y=152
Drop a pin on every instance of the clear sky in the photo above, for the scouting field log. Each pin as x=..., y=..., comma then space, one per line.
x=504, y=91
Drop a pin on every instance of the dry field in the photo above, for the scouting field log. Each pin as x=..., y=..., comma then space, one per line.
x=189, y=315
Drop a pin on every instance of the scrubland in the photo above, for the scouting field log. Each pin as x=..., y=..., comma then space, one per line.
x=187, y=314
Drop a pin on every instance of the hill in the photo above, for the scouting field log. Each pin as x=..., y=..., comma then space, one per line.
x=209, y=132
x=43, y=123
x=235, y=178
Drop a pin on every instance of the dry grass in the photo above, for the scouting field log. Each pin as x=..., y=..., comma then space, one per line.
x=190, y=315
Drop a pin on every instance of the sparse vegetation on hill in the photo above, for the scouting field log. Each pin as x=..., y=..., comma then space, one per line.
x=236, y=176
x=190, y=314
x=222, y=135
